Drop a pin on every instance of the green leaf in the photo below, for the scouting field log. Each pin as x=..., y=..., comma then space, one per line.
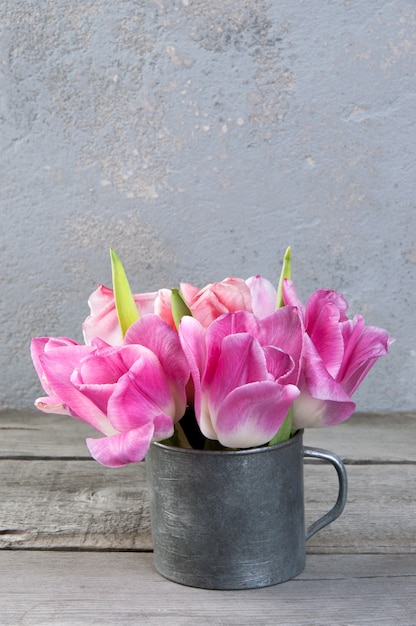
x=179, y=306
x=286, y=273
x=285, y=430
x=127, y=312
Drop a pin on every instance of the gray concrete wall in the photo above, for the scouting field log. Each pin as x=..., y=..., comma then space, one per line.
x=199, y=138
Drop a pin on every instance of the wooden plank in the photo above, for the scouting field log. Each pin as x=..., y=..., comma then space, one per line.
x=369, y=437
x=32, y=434
x=78, y=504
x=83, y=505
x=380, y=514
x=123, y=588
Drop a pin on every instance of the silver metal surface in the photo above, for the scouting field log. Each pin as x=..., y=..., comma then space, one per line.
x=232, y=520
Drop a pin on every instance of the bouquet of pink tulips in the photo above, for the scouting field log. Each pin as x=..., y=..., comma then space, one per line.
x=237, y=364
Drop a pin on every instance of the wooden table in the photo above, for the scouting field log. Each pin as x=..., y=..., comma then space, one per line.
x=76, y=542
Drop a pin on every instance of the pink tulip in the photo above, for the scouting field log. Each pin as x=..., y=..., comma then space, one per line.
x=338, y=354
x=131, y=393
x=215, y=299
x=103, y=321
x=244, y=372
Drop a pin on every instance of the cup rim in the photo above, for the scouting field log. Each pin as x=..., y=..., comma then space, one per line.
x=241, y=452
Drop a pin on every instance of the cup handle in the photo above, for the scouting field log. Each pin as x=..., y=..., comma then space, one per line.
x=325, y=455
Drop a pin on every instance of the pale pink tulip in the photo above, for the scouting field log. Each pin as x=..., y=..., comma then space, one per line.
x=215, y=299
x=263, y=296
x=103, y=321
x=243, y=373
x=338, y=353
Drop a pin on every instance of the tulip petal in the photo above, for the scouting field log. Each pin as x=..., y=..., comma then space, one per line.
x=241, y=361
x=363, y=346
x=122, y=448
x=163, y=308
x=311, y=412
x=163, y=427
x=40, y=345
x=251, y=415
x=290, y=296
x=100, y=298
x=280, y=365
x=98, y=394
x=192, y=338
x=230, y=324
x=263, y=296
x=52, y=404
x=156, y=335
x=318, y=300
x=284, y=329
x=142, y=393
x=326, y=335
x=103, y=321
x=322, y=401
x=107, y=364
x=204, y=417
x=188, y=291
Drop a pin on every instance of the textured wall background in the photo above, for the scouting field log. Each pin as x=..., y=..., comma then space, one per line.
x=200, y=138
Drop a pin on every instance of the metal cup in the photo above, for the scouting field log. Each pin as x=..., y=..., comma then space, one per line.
x=233, y=520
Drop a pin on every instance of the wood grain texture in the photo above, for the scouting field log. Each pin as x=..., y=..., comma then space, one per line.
x=32, y=434
x=123, y=588
x=369, y=438
x=80, y=504
x=73, y=504
x=365, y=437
x=76, y=536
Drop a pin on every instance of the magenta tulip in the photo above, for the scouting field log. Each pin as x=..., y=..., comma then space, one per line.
x=338, y=354
x=131, y=393
x=68, y=353
x=245, y=372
